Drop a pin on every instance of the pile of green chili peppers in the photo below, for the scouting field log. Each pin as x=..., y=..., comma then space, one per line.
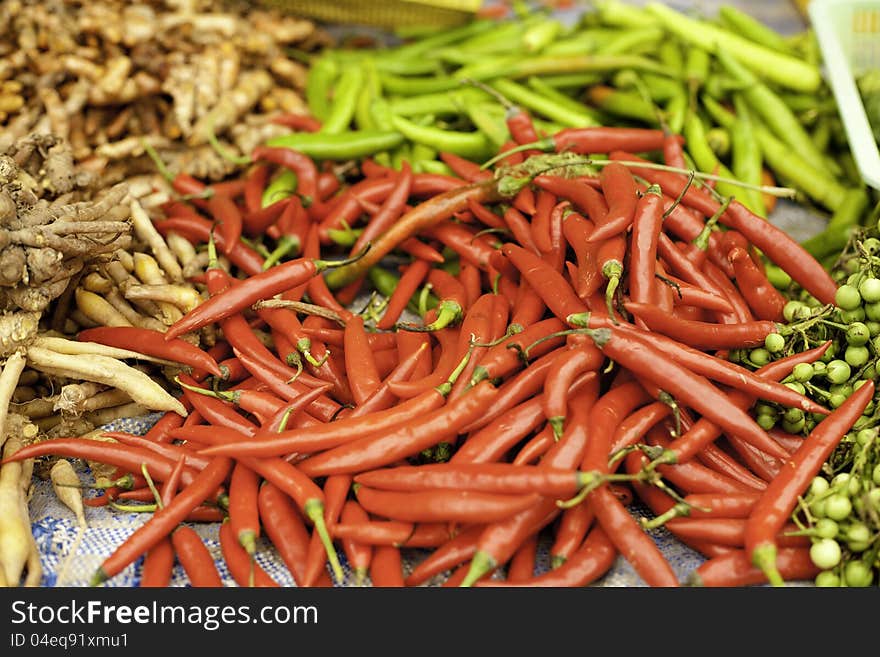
x=747, y=99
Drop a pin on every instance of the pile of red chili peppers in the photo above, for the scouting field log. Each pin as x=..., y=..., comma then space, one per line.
x=574, y=314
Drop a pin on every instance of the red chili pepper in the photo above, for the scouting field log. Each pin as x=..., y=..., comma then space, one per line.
x=244, y=294
x=254, y=185
x=568, y=365
x=547, y=282
x=475, y=249
x=151, y=343
x=777, y=502
x=197, y=561
x=715, y=505
x=386, y=567
x=406, y=440
x=158, y=565
x=703, y=335
x=395, y=533
x=455, y=551
x=556, y=254
x=741, y=311
x=333, y=434
x=260, y=220
x=581, y=195
x=242, y=566
x=765, y=301
x=691, y=390
x=359, y=358
x=409, y=283
x=646, y=227
x=301, y=122
x=285, y=528
x=503, y=478
x=520, y=228
x=621, y=192
x=522, y=566
x=359, y=555
x=243, y=512
x=198, y=230
x=425, y=215
x=228, y=220
x=540, y=222
x=390, y=211
x=735, y=569
x=499, y=541
x=463, y=168
x=536, y=447
x=692, y=476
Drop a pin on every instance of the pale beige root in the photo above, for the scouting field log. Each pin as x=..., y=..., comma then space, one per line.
x=129, y=147
x=114, y=298
x=68, y=488
x=9, y=377
x=148, y=272
x=17, y=330
x=109, y=371
x=15, y=535
x=94, y=282
x=182, y=248
x=252, y=85
x=106, y=399
x=83, y=348
x=99, y=310
x=146, y=232
x=104, y=416
x=119, y=270
x=183, y=297
x=74, y=398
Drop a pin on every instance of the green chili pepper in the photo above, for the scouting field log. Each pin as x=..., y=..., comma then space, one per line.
x=321, y=77
x=671, y=56
x=443, y=102
x=397, y=85
x=775, y=113
x=433, y=166
x=472, y=145
x=547, y=107
x=633, y=41
x=746, y=160
x=658, y=88
x=747, y=26
x=280, y=187
x=370, y=90
x=540, y=86
x=340, y=146
x=696, y=68
x=784, y=70
x=705, y=159
x=344, y=101
x=626, y=104
x=614, y=12
x=571, y=80
x=803, y=174
x=489, y=118
x=675, y=111
x=837, y=232
x=540, y=35
x=520, y=67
